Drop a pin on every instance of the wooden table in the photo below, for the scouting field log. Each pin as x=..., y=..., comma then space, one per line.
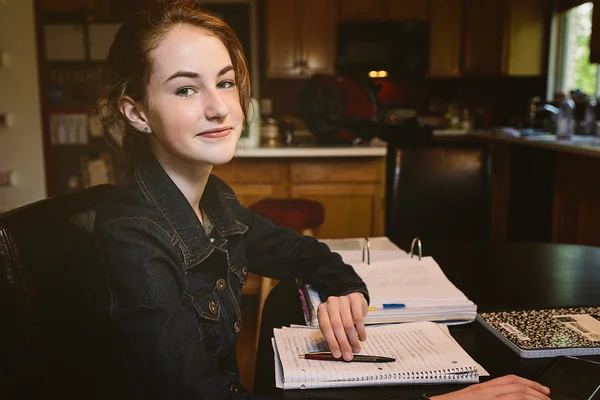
x=496, y=276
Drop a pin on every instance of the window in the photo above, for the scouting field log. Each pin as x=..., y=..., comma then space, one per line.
x=570, y=68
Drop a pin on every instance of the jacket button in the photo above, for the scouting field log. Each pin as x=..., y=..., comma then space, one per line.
x=245, y=272
x=233, y=389
x=237, y=327
x=212, y=306
x=221, y=284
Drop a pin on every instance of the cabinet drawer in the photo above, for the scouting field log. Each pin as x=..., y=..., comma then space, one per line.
x=248, y=171
x=347, y=170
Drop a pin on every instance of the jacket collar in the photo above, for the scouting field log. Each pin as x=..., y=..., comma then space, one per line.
x=158, y=188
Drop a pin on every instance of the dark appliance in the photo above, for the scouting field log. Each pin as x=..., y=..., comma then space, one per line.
x=399, y=47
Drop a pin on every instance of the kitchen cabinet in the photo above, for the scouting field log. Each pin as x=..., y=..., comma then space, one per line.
x=97, y=9
x=351, y=189
x=505, y=37
x=576, y=218
x=445, y=21
x=300, y=38
x=350, y=10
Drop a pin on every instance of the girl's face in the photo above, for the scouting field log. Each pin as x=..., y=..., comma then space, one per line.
x=193, y=106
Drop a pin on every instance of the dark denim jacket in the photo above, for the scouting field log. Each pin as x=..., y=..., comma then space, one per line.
x=176, y=291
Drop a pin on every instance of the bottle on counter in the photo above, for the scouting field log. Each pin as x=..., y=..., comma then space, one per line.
x=466, y=120
x=588, y=124
x=269, y=133
x=565, y=123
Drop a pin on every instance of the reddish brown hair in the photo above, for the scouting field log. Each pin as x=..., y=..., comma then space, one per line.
x=130, y=65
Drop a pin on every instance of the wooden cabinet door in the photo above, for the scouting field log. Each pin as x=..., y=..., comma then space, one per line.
x=445, y=21
x=352, y=191
x=526, y=38
x=300, y=37
x=282, y=38
x=407, y=9
x=318, y=36
x=359, y=10
x=348, y=208
x=576, y=215
x=55, y=6
x=484, y=37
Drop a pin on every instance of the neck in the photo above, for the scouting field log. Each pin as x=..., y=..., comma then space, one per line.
x=191, y=180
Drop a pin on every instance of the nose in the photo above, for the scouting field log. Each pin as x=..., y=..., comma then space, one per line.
x=214, y=106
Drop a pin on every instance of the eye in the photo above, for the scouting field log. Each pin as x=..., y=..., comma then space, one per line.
x=185, y=92
x=225, y=84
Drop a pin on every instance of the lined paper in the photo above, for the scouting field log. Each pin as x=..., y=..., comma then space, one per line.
x=419, y=281
x=424, y=352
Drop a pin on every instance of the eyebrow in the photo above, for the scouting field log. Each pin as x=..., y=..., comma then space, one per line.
x=195, y=75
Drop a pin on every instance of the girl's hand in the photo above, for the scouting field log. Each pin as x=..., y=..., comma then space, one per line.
x=340, y=319
x=509, y=387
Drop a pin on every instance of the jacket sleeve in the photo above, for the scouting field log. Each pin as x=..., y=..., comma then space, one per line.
x=279, y=253
x=159, y=338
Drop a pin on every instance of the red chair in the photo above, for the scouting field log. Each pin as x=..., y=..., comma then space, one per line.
x=301, y=215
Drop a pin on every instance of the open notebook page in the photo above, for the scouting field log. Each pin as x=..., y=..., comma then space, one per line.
x=408, y=280
x=424, y=352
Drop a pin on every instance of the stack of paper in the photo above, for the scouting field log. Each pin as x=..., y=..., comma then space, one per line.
x=402, y=289
x=425, y=352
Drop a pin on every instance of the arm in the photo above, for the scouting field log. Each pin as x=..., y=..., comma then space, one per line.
x=279, y=253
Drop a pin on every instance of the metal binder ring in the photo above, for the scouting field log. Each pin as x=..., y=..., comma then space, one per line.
x=368, y=247
x=412, y=246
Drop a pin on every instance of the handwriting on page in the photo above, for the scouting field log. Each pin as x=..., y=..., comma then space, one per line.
x=407, y=280
x=418, y=348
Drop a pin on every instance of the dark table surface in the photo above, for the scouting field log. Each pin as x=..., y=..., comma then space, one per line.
x=496, y=276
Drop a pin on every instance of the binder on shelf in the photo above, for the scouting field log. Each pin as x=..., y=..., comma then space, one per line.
x=547, y=332
x=402, y=288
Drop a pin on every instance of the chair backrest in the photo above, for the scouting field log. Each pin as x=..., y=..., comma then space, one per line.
x=53, y=338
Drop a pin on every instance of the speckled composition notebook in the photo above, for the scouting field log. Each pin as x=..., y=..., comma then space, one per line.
x=548, y=332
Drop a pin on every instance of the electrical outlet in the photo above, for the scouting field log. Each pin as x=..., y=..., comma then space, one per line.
x=6, y=178
x=7, y=120
x=4, y=58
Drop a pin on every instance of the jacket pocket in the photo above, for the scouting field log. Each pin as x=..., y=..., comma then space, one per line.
x=208, y=311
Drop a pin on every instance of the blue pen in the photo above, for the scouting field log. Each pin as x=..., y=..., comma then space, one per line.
x=394, y=305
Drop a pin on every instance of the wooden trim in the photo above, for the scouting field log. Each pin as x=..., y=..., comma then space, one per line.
x=44, y=106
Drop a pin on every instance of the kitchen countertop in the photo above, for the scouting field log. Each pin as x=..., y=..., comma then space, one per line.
x=306, y=151
x=583, y=145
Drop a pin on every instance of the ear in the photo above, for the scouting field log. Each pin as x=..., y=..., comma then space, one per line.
x=134, y=112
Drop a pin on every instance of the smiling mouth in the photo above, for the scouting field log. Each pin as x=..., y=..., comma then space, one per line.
x=216, y=133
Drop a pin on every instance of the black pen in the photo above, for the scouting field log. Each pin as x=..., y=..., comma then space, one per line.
x=327, y=356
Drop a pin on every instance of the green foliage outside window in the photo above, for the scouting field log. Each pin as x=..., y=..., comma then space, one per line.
x=584, y=73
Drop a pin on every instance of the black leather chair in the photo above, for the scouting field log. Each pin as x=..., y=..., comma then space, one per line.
x=54, y=336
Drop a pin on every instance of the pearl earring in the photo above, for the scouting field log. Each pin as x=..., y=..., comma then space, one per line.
x=146, y=130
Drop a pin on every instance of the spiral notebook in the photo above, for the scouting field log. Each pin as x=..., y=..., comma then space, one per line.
x=547, y=332
x=425, y=352
x=402, y=288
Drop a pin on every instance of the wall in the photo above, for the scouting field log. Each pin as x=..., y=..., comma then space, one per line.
x=21, y=145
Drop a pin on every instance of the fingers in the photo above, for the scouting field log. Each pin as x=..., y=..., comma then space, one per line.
x=513, y=379
x=358, y=305
x=327, y=331
x=339, y=329
x=348, y=322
